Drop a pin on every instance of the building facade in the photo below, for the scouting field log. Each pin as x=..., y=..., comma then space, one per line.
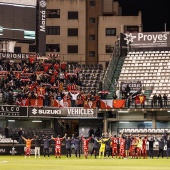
x=84, y=31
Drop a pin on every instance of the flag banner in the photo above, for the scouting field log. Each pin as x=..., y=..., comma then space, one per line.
x=36, y=102
x=39, y=72
x=89, y=104
x=140, y=99
x=24, y=102
x=40, y=90
x=118, y=104
x=54, y=103
x=64, y=103
x=79, y=102
x=106, y=104
x=135, y=86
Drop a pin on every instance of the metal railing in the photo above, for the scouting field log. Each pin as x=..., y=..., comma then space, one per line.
x=108, y=78
x=148, y=104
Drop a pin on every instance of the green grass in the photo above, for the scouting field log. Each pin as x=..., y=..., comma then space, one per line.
x=21, y=163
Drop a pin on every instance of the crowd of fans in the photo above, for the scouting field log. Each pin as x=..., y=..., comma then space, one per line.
x=32, y=79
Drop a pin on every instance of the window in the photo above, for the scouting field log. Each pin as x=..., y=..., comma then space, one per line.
x=53, y=30
x=131, y=29
x=91, y=37
x=17, y=49
x=53, y=13
x=92, y=53
x=52, y=47
x=109, y=48
x=72, y=31
x=110, y=31
x=73, y=15
x=92, y=20
x=72, y=49
x=32, y=48
x=92, y=3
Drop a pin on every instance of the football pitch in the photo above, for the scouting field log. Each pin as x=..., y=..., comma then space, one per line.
x=21, y=163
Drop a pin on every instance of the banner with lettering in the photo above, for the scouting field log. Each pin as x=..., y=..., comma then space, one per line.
x=13, y=111
x=14, y=55
x=135, y=86
x=41, y=31
x=147, y=39
x=76, y=112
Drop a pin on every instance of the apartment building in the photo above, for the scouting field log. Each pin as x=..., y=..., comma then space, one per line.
x=84, y=31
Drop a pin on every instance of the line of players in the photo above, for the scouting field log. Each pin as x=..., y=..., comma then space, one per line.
x=108, y=145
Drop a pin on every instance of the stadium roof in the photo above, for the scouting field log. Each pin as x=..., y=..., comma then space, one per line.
x=19, y=2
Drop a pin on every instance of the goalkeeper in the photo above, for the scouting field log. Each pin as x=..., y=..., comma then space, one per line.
x=102, y=142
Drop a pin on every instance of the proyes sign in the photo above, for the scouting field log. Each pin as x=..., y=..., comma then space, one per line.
x=148, y=39
x=152, y=37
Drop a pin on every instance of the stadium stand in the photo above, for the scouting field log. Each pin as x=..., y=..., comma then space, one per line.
x=34, y=79
x=28, y=132
x=150, y=67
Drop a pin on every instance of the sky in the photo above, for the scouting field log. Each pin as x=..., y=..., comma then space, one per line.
x=155, y=13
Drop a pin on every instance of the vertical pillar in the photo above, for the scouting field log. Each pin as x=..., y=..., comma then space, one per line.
x=105, y=122
x=154, y=120
x=122, y=29
x=52, y=123
x=153, y=123
x=10, y=46
x=4, y=46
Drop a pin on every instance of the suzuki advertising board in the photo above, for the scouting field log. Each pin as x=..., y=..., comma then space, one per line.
x=70, y=112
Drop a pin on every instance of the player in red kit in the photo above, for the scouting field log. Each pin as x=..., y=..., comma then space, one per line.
x=133, y=148
x=114, y=145
x=85, y=145
x=58, y=142
x=144, y=143
x=122, y=148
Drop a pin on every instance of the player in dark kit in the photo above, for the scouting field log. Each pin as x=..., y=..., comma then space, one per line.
x=108, y=148
x=68, y=146
x=46, y=142
x=77, y=142
x=151, y=142
x=95, y=149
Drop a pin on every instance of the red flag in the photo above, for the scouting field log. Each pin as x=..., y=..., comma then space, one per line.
x=140, y=99
x=36, y=102
x=65, y=103
x=117, y=104
x=89, y=104
x=40, y=90
x=24, y=102
x=106, y=104
x=79, y=102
